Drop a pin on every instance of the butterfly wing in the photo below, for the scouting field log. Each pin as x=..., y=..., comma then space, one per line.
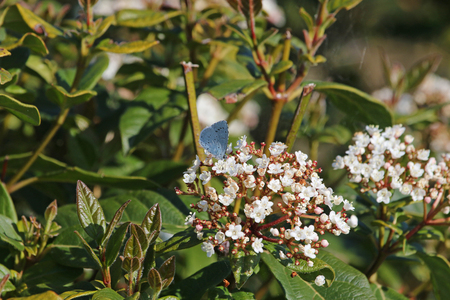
x=215, y=139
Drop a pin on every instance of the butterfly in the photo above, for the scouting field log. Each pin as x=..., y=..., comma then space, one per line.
x=214, y=139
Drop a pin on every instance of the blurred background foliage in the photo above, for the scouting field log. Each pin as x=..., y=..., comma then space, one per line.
x=95, y=134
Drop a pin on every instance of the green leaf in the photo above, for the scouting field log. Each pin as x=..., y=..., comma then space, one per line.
x=133, y=248
x=420, y=70
x=336, y=134
x=25, y=112
x=281, y=67
x=48, y=295
x=152, y=221
x=267, y=35
x=167, y=271
x=154, y=280
x=395, y=228
x=6, y=204
x=94, y=72
x=196, y=285
x=125, y=48
x=427, y=234
x=51, y=274
x=243, y=6
x=139, y=233
x=90, y=213
x=310, y=273
x=104, y=25
x=114, y=244
x=241, y=33
x=243, y=266
x=9, y=235
x=162, y=171
x=51, y=170
x=307, y=18
x=112, y=225
x=440, y=272
x=334, y=5
x=107, y=293
x=181, y=240
x=29, y=40
x=143, y=18
x=386, y=293
x=359, y=105
x=241, y=86
x=222, y=293
x=5, y=76
x=41, y=67
x=62, y=98
x=425, y=115
x=24, y=20
x=89, y=250
x=8, y=286
x=4, y=52
x=148, y=112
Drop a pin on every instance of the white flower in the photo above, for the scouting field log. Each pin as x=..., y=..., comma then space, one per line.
x=274, y=231
x=189, y=177
x=225, y=199
x=298, y=233
x=418, y=194
x=409, y=139
x=320, y=280
x=415, y=170
x=195, y=165
x=372, y=129
x=309, y=252
x=234, y=231
x=241, y=143
x=211, y=193
x=338, y=163
x=262, y=162
x=396, y=183
x=275, y=168
x=274, y=185
x=406, y=189
x=395, y=171
x=423, y=154
x=348, y=205
x=208, y=248
x=258, y=214
x=203, y=205
x=249, y=182
x=366, y=170
x=277, y=148
x=352, y=221
x=282, y=255
x=248, y=169
x=220, y=166
x=189, y=219
x=384, y=196
x=287, y=197
x=257, y=245
x=301, y=157
x=205, y=177
x=309, y=233
x=264, y=203
x=377, y=175
x=220, y=237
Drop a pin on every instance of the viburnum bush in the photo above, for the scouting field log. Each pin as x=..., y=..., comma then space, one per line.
x=285, y=202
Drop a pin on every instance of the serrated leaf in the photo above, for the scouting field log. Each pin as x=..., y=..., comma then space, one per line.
x=243, y=266
x=358, y=105
x=114, y=244
x=143, y=18
x=167, y=271
x=112, y=225
x=125, y=48
x=197, y=284
x=152, y=221
x=90, y=213
x=107, y=293
x=386, y=293
x=29, y=40
x=440, y=272
x=25, y=112
x=94, y=72
x=64, y=99
x=7, y=208
x=420, y=70
x=281, y=66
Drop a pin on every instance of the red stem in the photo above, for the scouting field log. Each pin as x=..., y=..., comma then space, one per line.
x=271, y=224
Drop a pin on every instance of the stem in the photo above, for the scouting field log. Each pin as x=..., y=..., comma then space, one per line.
x=22, y=184
x=285, y=57
x=273, y=223
x=237, y=205
x=273, y=123
x=4, y=168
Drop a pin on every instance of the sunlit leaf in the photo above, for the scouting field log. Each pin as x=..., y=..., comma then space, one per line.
x=64, y=99
x=5, y=76
x=243, y=266
x=143, y=18
x=94, y=72
x=123, y=48
x=334, y=5
x=107, y=293
x=25, y=112
x=48, y=295
x=29, y=40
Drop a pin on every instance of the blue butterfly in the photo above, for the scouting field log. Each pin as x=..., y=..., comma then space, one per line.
x=214, y=139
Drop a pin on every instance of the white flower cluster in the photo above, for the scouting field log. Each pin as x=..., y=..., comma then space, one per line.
x=384, y=163
x=282, y=197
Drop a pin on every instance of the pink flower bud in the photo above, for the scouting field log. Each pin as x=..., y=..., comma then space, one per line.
x=318, y=210
x=427, y=200
x=324, y=243
x=199, y=227
x=387, y=165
